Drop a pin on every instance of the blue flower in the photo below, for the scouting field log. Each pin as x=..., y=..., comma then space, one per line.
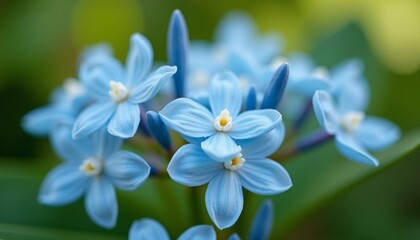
x=250, y=169
x=92, y=166
x=354, y=133
x=118, y=92
x=149, y=229
x=216, y=129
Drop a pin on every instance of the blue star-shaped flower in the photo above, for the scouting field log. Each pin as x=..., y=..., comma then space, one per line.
x=354, y=133
x=118, y=92
x=250, y=169
x=92, y=166
x=217, y=128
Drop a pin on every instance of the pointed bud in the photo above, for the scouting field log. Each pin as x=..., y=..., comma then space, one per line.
x=143, y=121
x=263, y=222
x=275, y=89
x=251, y=99
x=158, y=130
x=177, y=47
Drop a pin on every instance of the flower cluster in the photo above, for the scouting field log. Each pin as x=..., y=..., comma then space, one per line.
x=228, y=95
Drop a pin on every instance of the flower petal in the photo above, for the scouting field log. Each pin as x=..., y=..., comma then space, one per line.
x=92, y=118
x=105, y=144
x=352, y=150
x=101, y=203
x=199, y=232
x=139, y=59
x=220, y=147
x=125, y=121
x=147, y=229
x=190, y=166
x=224, y=199
x=255, y=123
x=188, y=118
x=264, y=176
x=325, y=111
x=39, y=121
x=127, y=170
x=63, y=185
x=225, y=93
x=377, y=133
x=148, y=88
x=263, y=222
x=258, y=147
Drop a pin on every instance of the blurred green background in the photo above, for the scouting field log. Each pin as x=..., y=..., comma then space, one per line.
x=40, y=41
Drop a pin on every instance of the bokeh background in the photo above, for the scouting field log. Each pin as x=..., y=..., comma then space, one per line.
x=40, y=41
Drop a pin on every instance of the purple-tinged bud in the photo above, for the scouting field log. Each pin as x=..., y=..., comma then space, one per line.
x=158, y=130
x=275, y=89
x=263, y=222
x=251, y=99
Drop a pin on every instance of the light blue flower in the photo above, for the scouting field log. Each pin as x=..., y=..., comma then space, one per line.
x=149, y=229
x=216, y=129
x=118, y=91
x=250, y=169
x=92, y=167
x=354, y=132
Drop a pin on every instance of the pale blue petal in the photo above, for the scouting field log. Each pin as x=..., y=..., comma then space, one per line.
x=325, y=111
x=92, y=118
x=225, y=93
x=104, y=143
x=377, y=133
x=220, y=147
x=39, y=121
x=148, y=88
x=263, y=222
x=258, y=147
x=139, y=60
x=97, y=73
x=63, y=185
x=234, y=236
x=101, y=203
x=199, y=232
x=188, y=118
x=125, y=121
x=264, y=176
x=353, y=95
x=68, y=148
x=255, y=123
x=190, y=166
x=147, y=229
x=224, y=199
x=235, y=26
x=127, y=170
x=352, y=150
x=309, y=85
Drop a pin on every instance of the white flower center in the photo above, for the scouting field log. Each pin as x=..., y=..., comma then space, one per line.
x=236, y=162
x=91, y=166
x=119, y=92
x=351, y=120
x=73, y=88
x=223, y=122
x=321, y=73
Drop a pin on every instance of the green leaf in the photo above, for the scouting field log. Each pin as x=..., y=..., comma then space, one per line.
x=18, y=232
x=320, y=175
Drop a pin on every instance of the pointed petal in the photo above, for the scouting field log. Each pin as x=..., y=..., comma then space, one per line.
x=255, y=123
x=101, y=203
x=127, y=170
x=125, y=121
x=147, y=229
x=63, y=185
x=325, y=111
x=352, y=150
x=190, y=166
x=199, y=232
x=96, y=74
x=148, y=88
x=139, y=59
x=158, y=130
x=258, y=147
x=224, y=199
x=276, y=87
x=263, y=222
x=225, y=93
x=264, y=176
x=39, y=121
x=188, y=118
x=104, y=143
x=220, y=147
x=377, y=133
x=92, y=118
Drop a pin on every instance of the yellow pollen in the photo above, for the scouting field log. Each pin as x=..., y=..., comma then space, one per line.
x=89, y=167
x=223, y=121
x=235, y=161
